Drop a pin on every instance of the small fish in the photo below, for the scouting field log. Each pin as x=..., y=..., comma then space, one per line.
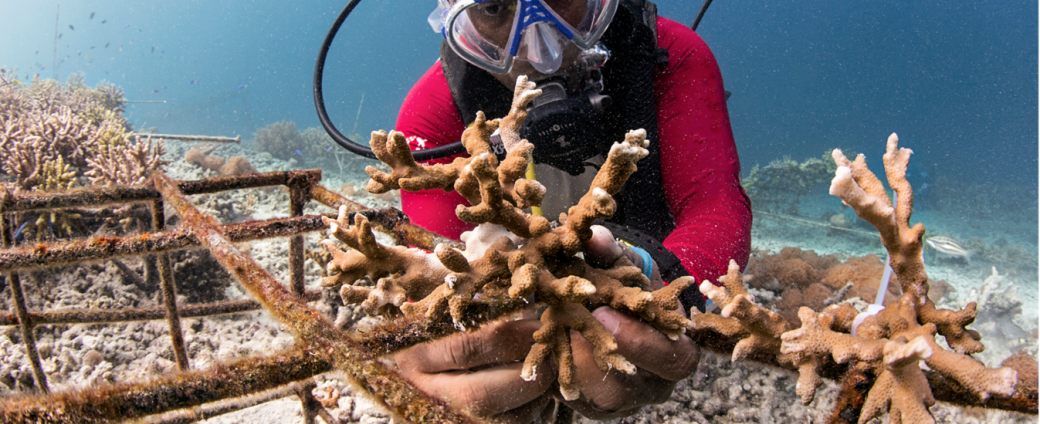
x=72, y=27
x=86, y=56
x=91, y=15
x=153, y=49
x=193, y=82
x=328, y=148
x=107, y=44
x=60, y=35
x=299, y=152
x=948, y=246
x=241, y=86
x=155, y=91
x=103, y=21
x=92, y=47
x=18, y=234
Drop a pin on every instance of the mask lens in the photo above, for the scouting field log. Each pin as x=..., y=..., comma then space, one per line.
x=542, y=45
x=481, y=31
x=589, y=18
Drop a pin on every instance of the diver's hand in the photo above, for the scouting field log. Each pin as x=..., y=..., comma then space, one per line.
x=602, y=250
x=479, y=371
x=660, y=362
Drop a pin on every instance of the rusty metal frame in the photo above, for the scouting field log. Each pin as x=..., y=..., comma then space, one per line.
x=155, y=246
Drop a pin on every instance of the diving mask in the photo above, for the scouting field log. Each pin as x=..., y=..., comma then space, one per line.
x=491, y=34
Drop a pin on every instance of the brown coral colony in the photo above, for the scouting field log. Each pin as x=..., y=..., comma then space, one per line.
x=522, y=262
x=894, y=341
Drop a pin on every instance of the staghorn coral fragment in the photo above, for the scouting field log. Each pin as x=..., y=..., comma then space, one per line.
x=952, y=325
x=554, y=338
x=385, y=299
x=465, y=281
x=392, y=149
x=620, y=287
x=972, y=373
x=597, y=203
x=494, y=207
x=763, y=327
x=511, y=252
x=417, y=272
x=57, y=176
x=901, y=387
x=857, y=187
x=509, y=128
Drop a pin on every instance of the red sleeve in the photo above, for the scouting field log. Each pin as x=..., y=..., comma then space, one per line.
x=429, y=118
x=699, y=166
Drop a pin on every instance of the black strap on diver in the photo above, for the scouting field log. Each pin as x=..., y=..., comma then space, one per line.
x=669, y=265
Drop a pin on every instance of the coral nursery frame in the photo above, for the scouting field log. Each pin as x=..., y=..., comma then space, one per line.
x=193, y=395
x=302, y=187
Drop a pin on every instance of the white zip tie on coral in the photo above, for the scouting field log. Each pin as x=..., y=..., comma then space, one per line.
x=879, y=299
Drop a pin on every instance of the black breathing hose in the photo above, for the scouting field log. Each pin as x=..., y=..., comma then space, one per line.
x=700, y=15
x=323, y=116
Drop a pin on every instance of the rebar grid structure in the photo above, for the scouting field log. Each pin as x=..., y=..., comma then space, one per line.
x=194, y=395
x=155, y=246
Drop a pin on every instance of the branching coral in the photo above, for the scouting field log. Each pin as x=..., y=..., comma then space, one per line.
x=280, y=139
x=53, y=137
x=779, y=186
x=894, y=341
x=125, y=164
x=511, y=253
x=82, y=127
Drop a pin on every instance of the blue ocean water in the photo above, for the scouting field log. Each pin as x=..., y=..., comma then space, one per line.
x=956, y=79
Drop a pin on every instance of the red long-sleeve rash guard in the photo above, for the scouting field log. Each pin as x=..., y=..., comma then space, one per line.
x=699, y=165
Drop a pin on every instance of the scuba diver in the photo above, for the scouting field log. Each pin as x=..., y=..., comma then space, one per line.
x=605, y=67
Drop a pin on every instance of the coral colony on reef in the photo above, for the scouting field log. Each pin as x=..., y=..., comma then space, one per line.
x=54, y=134
x=56, y=137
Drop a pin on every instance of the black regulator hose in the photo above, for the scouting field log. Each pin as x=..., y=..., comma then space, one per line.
x=700, y=15
x=323, y=116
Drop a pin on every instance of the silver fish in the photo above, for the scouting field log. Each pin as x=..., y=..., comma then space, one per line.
x=948, y=246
